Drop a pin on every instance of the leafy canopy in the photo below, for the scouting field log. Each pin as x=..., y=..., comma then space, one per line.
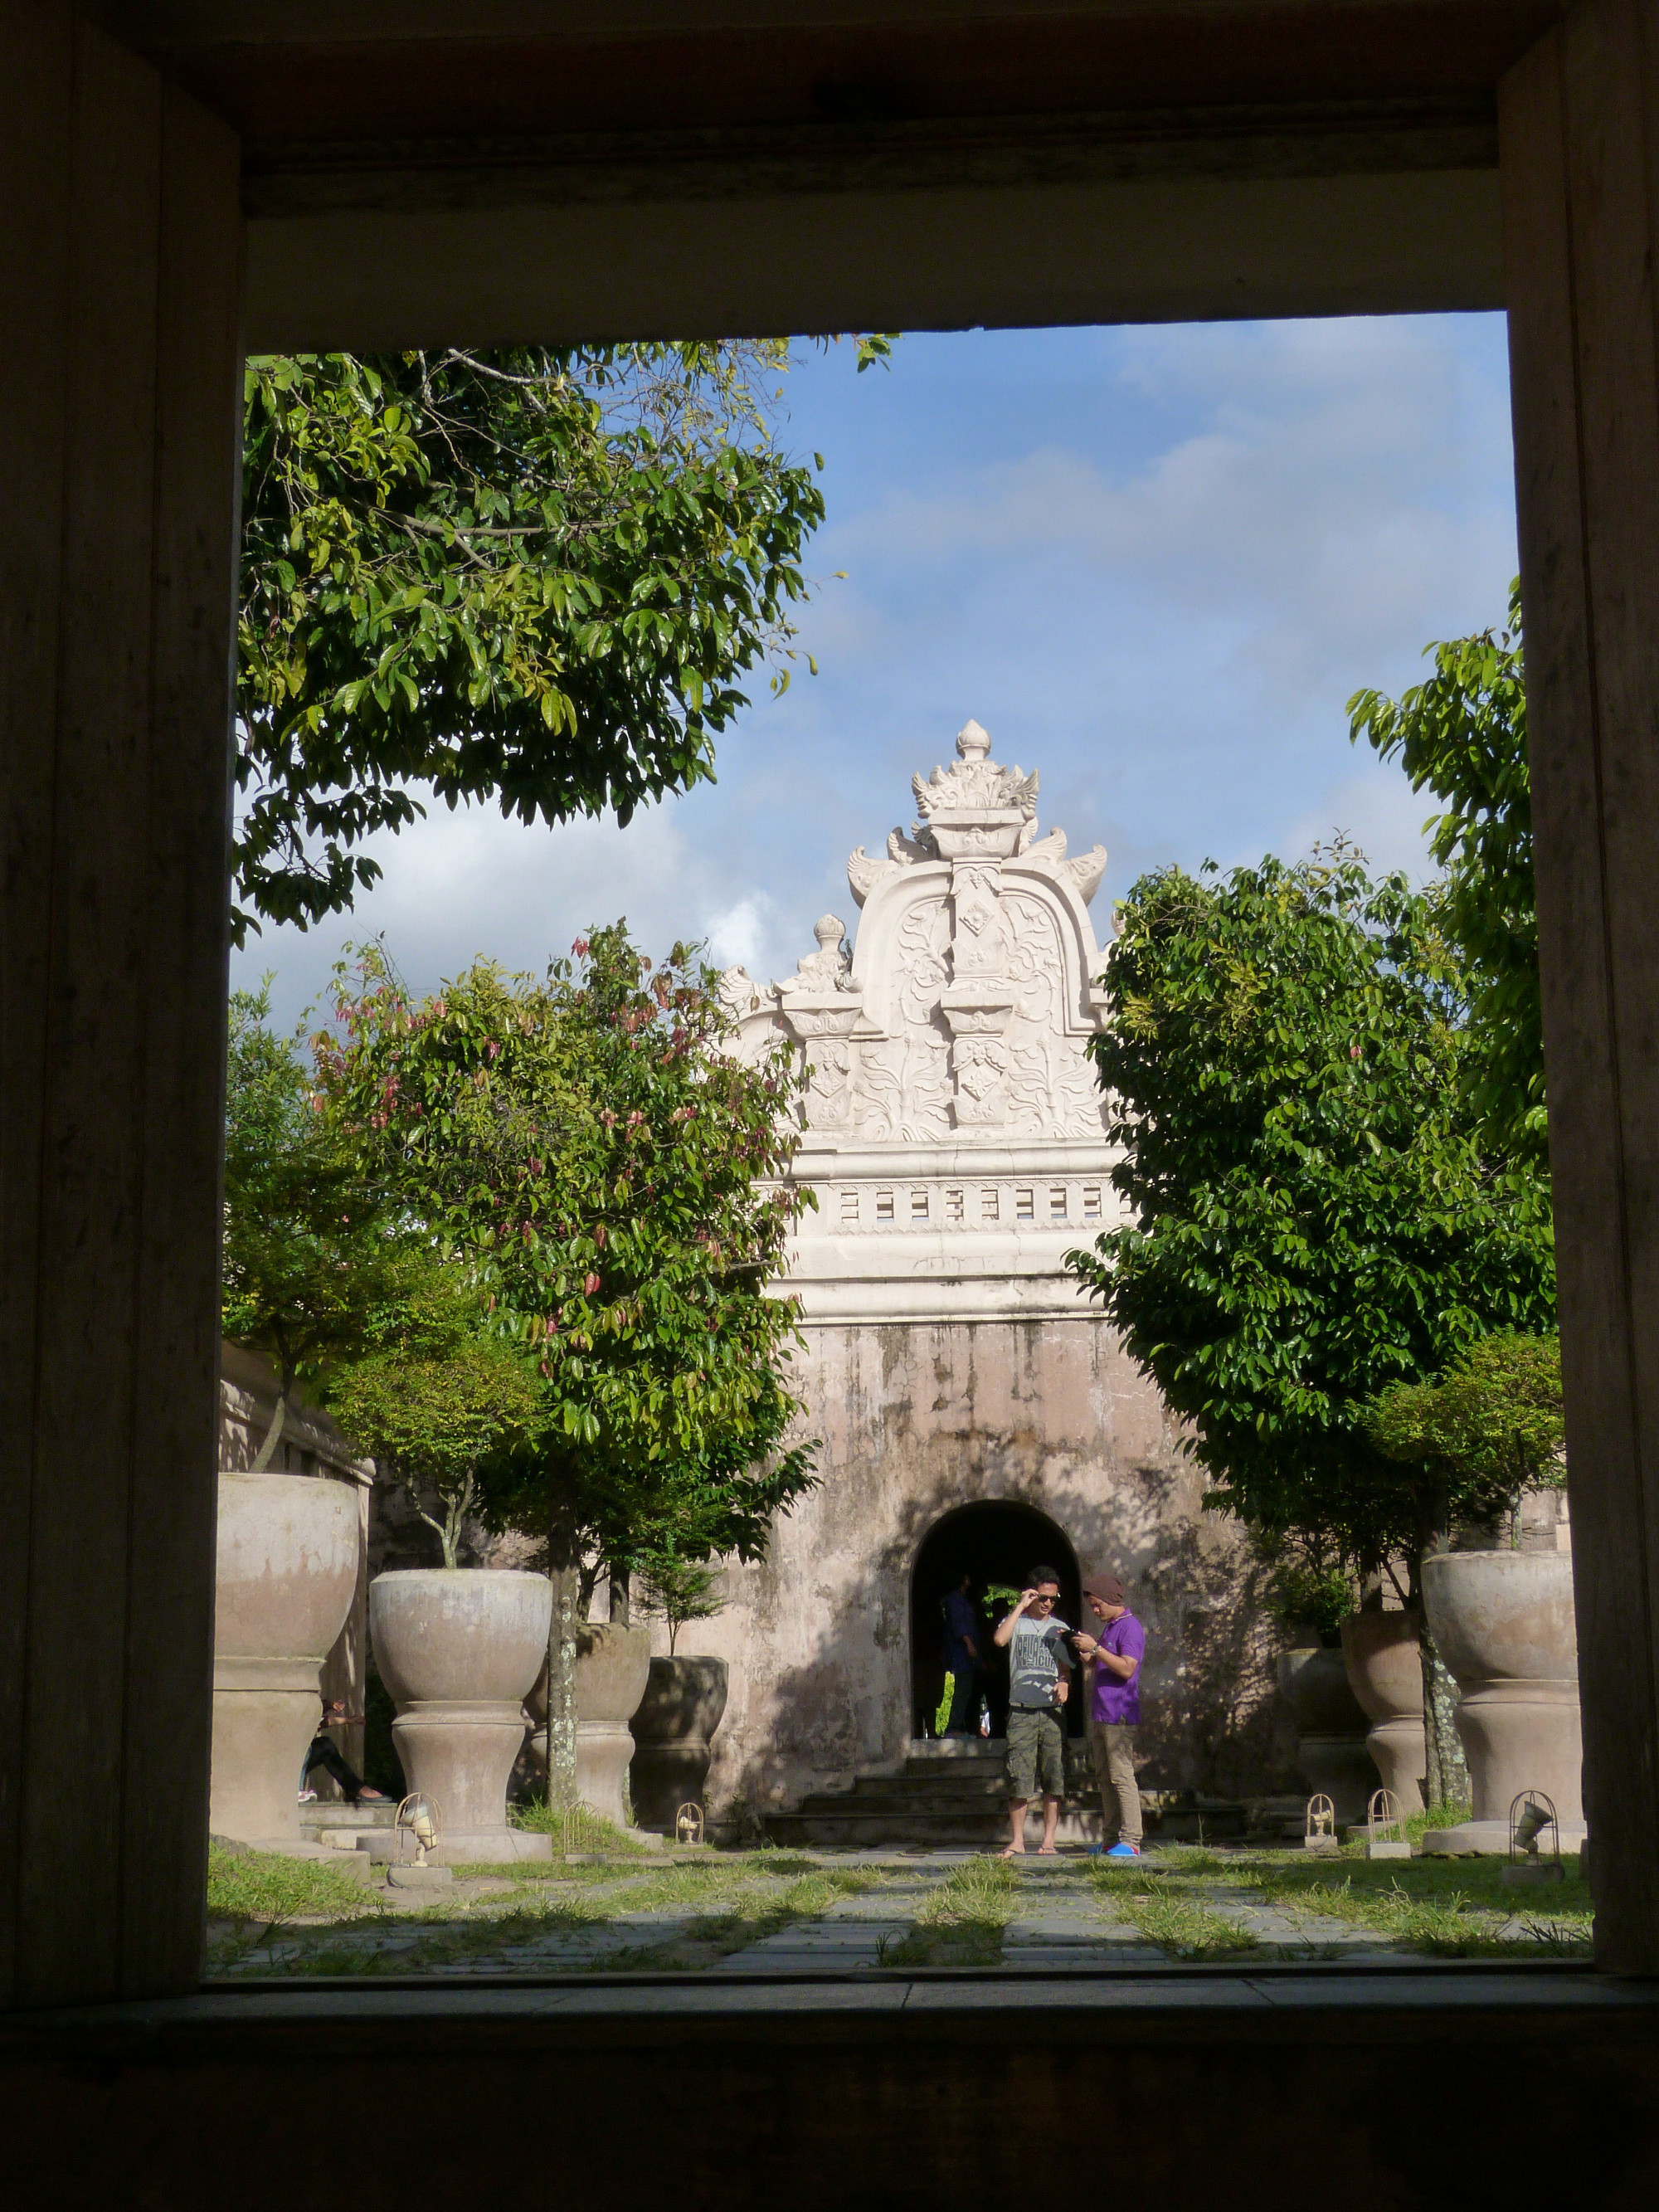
x=589, y=1152
x=1313, y=1216
x=438, y=1399
x=314, y=1264
x=1463, y=735
x=535, y=576
x=678, y=1590
x=1493, y=1427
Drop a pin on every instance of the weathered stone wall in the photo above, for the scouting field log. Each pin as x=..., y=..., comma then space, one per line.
x=916, y=1419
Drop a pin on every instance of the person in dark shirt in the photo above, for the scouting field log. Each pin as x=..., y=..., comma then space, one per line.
x=963, y=1658
x=324, y=1754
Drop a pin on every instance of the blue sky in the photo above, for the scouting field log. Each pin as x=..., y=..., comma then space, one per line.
x=1153, y=562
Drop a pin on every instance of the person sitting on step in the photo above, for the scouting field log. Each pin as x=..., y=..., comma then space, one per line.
x=324, y=1754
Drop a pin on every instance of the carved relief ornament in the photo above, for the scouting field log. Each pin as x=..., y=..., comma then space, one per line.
x=970, y=997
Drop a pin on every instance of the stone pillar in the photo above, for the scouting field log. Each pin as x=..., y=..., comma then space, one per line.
x=1579, y=120
x=120, y=415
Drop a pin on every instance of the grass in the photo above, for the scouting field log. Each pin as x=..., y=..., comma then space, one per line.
x=264, y=1886
x=1182, y=1925
x=961, y=1923
x=575, y=1828
x=276, y=1915
x=724, y=1906
x=1416, y=1825
x=760, y=1910
x=253, y=1896
x=1438, y=1908
x=1443, y=1908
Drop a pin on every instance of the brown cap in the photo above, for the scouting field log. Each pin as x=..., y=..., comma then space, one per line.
x=1107, y=1588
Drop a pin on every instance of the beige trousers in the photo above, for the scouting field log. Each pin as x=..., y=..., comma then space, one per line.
x=1112, y=1743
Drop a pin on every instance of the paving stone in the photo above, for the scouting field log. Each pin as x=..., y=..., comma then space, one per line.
x=816, y=1947
x=1057, y=1928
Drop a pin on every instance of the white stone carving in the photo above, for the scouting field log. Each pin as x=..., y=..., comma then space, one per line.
x=964, y=806
x=829, y=968
x=951, y=1120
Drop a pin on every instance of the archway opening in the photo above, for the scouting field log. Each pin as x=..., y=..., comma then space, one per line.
x=997, y=1542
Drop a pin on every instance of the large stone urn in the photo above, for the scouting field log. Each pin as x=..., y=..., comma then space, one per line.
x=1504, y=1624
x=1331, y=1749
x=1385, y=1672
x=457, y=1648
x=286, y=1576
x=682, y=1707
x=612, y=1662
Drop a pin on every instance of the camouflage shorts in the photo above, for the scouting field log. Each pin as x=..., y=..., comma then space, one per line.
x=1036, y=1754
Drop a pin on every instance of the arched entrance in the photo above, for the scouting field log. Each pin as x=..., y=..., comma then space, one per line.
x=996, y=1541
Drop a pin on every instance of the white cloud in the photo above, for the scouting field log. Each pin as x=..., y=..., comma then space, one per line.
x=738, y=937
x=473, y=884
x=1155, y=564
x=1378, y=810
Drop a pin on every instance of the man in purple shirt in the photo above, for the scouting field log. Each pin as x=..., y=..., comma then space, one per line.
x=1114, y=1657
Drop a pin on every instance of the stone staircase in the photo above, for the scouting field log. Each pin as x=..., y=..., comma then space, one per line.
x=951, y=1794
x=336, y=1827
x=948, y=1794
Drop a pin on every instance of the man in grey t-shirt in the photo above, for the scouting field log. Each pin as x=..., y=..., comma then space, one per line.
x=1039, y=1666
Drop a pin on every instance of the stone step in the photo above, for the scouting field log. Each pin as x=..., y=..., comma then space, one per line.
x=970, y=1783
x=902, y=1805
x=865, y=1829
x=376, y=1813
x=905, y=1810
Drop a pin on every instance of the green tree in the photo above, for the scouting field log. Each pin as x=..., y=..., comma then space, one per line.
x=536, y=577
x=1463, y=735
x=1491, y=1428
x=1309, y=1587
x=678, y=1591
x=314, y=1263
x=585, y=1148
x=437, y=1401
x=1313, y=1215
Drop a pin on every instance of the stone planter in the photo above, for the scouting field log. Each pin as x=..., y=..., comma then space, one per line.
x=612, y=1663
x=1385, y=1672
x=680, y=1711
x=286, y=1575
x=1503, y=1622
x=1330, y=1729
x=457, y=1648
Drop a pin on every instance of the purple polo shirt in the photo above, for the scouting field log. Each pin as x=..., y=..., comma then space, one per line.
x=1114, y=1699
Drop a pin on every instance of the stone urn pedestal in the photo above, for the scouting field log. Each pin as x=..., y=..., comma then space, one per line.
x=458, y=1648
x=286, y=1575
x=1504, y=1624
x=612, y=1662
x=683, y=1705
x=1385, y=1672
x=1330, y=1729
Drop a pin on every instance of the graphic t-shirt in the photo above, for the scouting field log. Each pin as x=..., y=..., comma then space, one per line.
x=1114, y=1699
x=1036, y=1653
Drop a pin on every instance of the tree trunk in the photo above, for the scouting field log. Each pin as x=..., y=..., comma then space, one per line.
x=564, y=1572
x=620, y=1607
x=274, y=1433
x=1448, y=1779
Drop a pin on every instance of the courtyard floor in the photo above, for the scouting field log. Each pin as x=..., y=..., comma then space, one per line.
x=775, y=1912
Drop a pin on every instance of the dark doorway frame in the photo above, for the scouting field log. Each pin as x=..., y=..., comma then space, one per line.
x=983, y=1554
